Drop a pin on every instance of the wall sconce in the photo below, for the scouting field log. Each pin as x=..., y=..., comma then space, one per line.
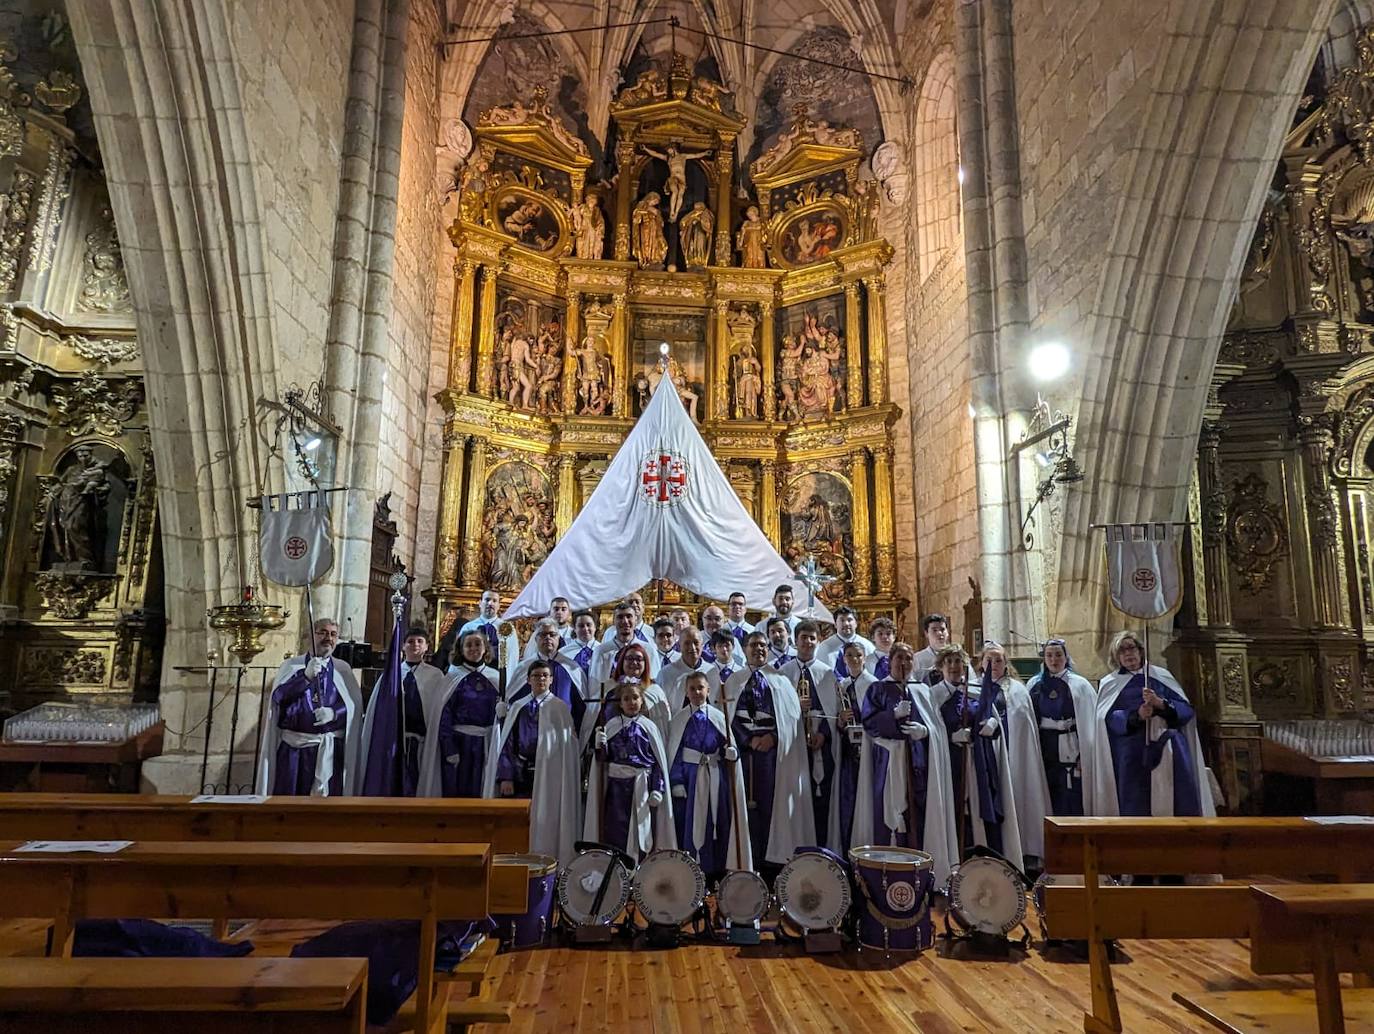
x=1046, y=440
x=310, y=431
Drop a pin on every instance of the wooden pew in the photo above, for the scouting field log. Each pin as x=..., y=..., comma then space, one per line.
x=172, y=996
x=270, y=881
x=1287, y=848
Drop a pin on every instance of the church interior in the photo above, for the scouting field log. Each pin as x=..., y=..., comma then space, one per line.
x=330, y=318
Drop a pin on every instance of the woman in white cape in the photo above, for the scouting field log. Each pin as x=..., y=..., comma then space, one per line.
x=1029, y=785
x=1065, y=706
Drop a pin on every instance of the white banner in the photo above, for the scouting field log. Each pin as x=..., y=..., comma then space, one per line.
x=295, y=545
x=1144, y=570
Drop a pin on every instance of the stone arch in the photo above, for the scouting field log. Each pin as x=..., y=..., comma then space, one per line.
x=936, y=165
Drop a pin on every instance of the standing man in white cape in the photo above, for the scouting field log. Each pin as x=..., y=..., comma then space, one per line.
x=673, y=677
x=310, y=732
x=823, y=750
x=536, y=757
x=568, y=683
x=707, y=783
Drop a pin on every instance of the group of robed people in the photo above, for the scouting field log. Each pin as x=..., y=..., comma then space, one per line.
x=740, y=742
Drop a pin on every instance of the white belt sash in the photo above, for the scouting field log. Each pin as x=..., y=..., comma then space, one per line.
x=1068, y=738
x=707, y=791
x=894, y=787
x=640, y=836
x=324, y=757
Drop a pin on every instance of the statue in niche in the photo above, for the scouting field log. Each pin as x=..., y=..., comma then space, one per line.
x=588, y=227
x=789, y=378
x=678, y=375
x=76, y=516
x=646, y=224
x=819, y=381
x=752, y=240
x=677, y=175
x=1358, y=235
x=548, y=357
x=710, y=94
x=695, y=233
x=650, y=86
x=866, y=192
x=595, y=373
x=748, y=384
x=523, y=369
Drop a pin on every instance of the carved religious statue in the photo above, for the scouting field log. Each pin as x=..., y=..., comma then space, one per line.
x=649, y=245
x=595, y=375
x=677, y=175
x=819, y=384
x=748, y=384
x=589, y=228
x=548, y=358
x=752, y=240
x=695, y=233
x=76, y=513
x=789, y=378
x=678, y=375
x=523, y=369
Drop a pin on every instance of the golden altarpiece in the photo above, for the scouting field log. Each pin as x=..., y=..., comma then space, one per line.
x=80, y=568
x=567, y=292
x=1278, y=622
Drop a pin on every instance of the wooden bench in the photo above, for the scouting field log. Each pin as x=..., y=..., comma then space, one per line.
x=173, y=996
x=269, y=881
x=1287, y=848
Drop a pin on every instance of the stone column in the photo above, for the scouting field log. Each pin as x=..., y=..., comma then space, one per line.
x=768, y=493
x=883, y=522
x=450, y=512
x=460, y=334
x=1215, y=504
x=718, y=360
x=620, y=338
x=768, y=357
x=624, y=195
x=725, y=163
x=472, y=533
x=486, y=341
x=567, y=490
x=1324, y=524
x=875, y=288
x=573, y=334
x=863, y=542
x=854, y=394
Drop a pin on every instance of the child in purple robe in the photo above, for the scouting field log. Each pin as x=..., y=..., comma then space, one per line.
x=721, y=652
x=454, y=756
x=626, y=805
x=850, y=691
x=704, y=776
x=884, y=634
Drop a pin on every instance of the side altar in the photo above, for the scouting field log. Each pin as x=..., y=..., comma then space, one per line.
x=773, y=311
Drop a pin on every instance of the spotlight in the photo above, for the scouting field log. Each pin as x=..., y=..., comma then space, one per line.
x=961, y=175
x=312, y=444
x=663, y=349
x=1049, y=362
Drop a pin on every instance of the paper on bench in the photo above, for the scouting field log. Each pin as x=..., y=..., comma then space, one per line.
x=72, y=846
x=230, y=798
x=1341, y=820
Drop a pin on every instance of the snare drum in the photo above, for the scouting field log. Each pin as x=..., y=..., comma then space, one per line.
x=895, y=884
x=742, y=898
x=528, y=929
x=813, y=890
x=669, y=887
x=580, y=881
x=986, y=895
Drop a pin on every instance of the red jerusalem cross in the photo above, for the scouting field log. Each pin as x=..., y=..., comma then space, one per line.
x=663, y=479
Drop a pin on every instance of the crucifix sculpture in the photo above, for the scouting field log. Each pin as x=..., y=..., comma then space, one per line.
x=809, y=574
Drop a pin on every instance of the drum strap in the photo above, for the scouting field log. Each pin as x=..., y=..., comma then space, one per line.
x=894, y=789
x=890, y=921
x=708, y=789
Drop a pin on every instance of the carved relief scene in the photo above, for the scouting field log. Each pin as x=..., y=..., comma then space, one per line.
x=817, y=521
x=517, y=524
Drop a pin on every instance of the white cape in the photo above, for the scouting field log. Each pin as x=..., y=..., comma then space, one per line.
x=432, y=683
x=739, y=855
x=1089, y=730
x=939, y=839
x=347, y=685
x=794, y=820
x=664, y=831
x=1162, y=779
x=431, y=765
x=518, y=689
x=658, y=512
x=1031, y=788
x=556, y=804
x=825, y=702
x=673, y=678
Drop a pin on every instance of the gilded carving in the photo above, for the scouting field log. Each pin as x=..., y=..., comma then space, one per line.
x=104, y=351
x=11, y=433
x=1256, y=539
x=1233, y=680
x=58, y=92
x=518, y=526
x=14, y=224
x=817, y=521
x=11, y=99
x=1340, y=679
x=94, y=405
x=71, y=596
x=1273, y=681
x=104, y=287
x=53, y=192
x=45, y=665
x=1249, y=351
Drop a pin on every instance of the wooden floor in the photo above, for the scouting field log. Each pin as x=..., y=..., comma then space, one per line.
x=706, y=987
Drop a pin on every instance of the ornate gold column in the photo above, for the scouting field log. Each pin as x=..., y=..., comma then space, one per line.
x=725, y=164
x=486, y=341
x=766, y=347
x=460, y=333
x=620, y=335
x=472, y=533
x=768, y=491
x=450, y=532
x=718, y=359
x=854, y=393
x=624, y=194
x=567, y=489
x=1324, y=523
x=883, y=522
x=573, y=336
x=863, y=541
x=1215, y=502
x=875, y=288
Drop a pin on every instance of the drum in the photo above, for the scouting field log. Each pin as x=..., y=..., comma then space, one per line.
x=1047, y=880
x=528, y=929
x=986, y=895
x=742, y=898
x=813, y=889
x=580, y=881
x=896, y=885
x=669, y=887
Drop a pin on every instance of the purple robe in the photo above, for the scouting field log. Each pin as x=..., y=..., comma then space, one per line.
x=754, y=715
x=848, y=777
x=629, y=746
x=780, y=660
x=414, y=740
x=516, y=763
x=583, y=658
x=987, y=773
x=702, y=736
x=878, y=719
x=472, y=704
x=1133, y=759
x=563, y=689
x=1052, y=699
x=882, y=667
x=294, y=774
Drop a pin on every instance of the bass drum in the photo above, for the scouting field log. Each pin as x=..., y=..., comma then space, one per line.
x=986, y=895
x=742, y=898
x=582, y=879
x=669, y=887
x=813, y=890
